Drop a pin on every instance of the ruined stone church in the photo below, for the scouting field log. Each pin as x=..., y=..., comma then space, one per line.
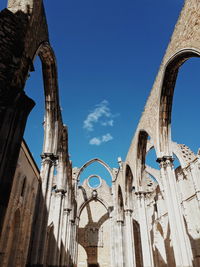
x=148, y=217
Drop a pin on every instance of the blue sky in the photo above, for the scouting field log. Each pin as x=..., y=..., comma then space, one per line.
x=108, y=54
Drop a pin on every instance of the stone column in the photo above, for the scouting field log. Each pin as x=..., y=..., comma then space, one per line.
x=75, y=243
x=120, y=245
x=47, y=173
x=180, y=240
x=130, y=249
x=12, y=124
x=144, y=231
x=57, y=220
x=66, y=234
x=69, y=241
x=112, y=243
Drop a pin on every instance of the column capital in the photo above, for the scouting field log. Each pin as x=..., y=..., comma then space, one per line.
x=60, y=191
x=67, y=211
x=140, y=193
x=128, y=212
x=72, y=221
x=110, y=210
x=49, y=158
x=165, y=161
x=119, y=221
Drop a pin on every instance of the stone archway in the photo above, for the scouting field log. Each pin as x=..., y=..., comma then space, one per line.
x=94, y=235
x=21, y=21
x=166, y=97
x=92, y=161
x=129, y=187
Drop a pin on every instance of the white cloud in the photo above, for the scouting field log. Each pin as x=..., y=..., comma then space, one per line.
x=95, y=141
x=107, y=123
x=99, y=140
x=102, y=110
x=107, y=137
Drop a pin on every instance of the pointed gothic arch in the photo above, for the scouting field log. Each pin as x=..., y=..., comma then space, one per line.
x=128, y=186
x=120, y=202
x=53, y=119
x=85, y=203
x=141, y=154
x=105, y=165
x=167, y=93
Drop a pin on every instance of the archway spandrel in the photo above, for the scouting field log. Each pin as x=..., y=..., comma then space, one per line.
x=186, y=32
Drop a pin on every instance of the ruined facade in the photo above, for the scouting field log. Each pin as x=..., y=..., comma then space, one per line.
x=148, y=217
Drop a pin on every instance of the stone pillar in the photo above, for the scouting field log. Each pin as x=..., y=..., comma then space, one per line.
x=75, y=243
x=120, y=245
x=47, y=173
x=68, y=243
x=57, y=220
x=130, y=249
x=64, y=236
x=12, y=124
x=180, y=240
x=112, y=230
x=144, y=231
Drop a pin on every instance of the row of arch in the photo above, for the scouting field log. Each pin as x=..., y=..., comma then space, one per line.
x=130, y=184
x=166, y=98
x=161, y=135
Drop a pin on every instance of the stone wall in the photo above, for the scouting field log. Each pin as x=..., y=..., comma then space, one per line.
x=21, y=208
x=94, y=225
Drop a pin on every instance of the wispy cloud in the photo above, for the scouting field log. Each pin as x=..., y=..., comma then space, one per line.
x=106, y=138
x=100, y=117
x=107, y=123
x=102, y=111
x=99, y=140
x=95, y=141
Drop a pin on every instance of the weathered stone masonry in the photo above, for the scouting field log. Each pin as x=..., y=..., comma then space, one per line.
x=148, y=217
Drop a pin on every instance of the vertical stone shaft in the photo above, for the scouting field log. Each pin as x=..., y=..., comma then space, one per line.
x=57, y=223
x=120, y=255
x=178, y=232
x=41, y=224
x=64, y=236
x=145, y=238
x=130, y=261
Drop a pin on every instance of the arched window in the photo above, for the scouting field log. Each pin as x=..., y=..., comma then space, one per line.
x=97, y=166
x=129, y=187
x=23, y=187
x=120, y=205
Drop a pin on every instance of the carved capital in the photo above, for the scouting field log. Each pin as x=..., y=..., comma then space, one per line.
x=120, y=221
x=165, y=161
x=140, y=194
x=128, y=212
x=49, y=158
x=60, y=191
x=67, y=211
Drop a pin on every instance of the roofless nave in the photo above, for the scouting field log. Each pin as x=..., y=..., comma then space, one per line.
x=46, y=217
